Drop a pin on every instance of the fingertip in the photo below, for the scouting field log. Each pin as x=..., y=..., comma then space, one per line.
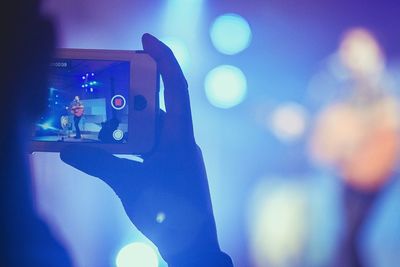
x=152, y=46
x=146, y=38
x=156, y=48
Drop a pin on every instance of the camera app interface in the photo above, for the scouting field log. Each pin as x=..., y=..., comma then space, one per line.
x=87, y=102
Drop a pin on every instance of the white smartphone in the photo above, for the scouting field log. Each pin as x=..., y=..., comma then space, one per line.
x=102, y=98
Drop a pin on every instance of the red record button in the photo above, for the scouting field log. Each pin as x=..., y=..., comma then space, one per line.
x=118, y=102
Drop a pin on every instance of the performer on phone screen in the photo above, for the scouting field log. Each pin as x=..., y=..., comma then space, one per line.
x=77, y=109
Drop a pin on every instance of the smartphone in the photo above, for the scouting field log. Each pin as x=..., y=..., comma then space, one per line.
x=101, y=98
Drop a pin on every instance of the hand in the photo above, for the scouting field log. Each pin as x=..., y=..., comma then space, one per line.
x=167, y=196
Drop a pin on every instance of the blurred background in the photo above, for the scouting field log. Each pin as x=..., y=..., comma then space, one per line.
x=295, y=106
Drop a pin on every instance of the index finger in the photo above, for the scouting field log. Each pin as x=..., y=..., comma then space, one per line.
x=175, y=85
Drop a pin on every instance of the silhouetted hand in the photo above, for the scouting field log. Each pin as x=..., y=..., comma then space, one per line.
x=167, y=196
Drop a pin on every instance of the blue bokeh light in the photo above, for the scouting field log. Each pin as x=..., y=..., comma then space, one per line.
x=137, y=254
x=230, y=34
x=225, y=86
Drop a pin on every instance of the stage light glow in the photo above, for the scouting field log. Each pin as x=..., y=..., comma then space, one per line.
x=160, y=217
x=161, y=96
x=288, y=121
x=360, y=52
x=180, y=50
x=278, y=222
x=182, y=17
x=230, y=34
x=225, y=86
x=137, y=254
x=189, y=2
x=47, y=125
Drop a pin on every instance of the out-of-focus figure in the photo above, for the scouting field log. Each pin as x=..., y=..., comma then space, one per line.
x=357, y=136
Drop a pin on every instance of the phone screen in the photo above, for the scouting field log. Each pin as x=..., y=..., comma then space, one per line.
x=87, y=102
